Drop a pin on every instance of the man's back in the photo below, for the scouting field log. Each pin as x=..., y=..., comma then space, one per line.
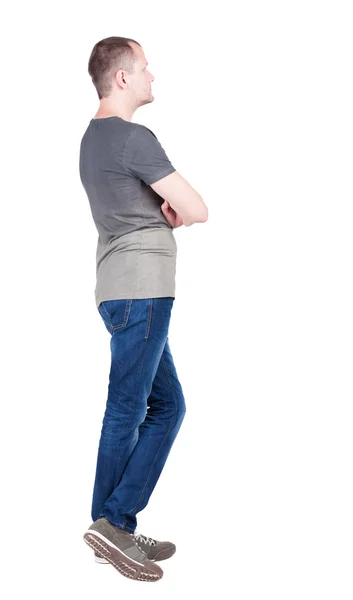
x=136, y=250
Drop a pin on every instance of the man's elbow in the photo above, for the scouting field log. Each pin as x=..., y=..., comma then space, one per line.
x=205, y=215
x=201, y=217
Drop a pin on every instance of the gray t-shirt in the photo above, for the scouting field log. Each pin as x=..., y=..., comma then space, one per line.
x=136, y=250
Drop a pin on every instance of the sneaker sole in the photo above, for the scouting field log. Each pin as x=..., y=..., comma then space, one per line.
x=100, y=559
x=104, y=561
x=124, y=564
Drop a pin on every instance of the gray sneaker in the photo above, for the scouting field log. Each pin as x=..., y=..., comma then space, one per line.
x=121, y=550
x=154, y=549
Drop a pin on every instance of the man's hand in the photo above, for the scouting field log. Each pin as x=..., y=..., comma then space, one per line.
x=172, y=217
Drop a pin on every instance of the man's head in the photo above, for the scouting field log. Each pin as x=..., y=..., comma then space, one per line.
x=118, y=68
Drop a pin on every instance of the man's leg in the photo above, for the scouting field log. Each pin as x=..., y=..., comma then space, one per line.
x=166, y=410
x=139, y=331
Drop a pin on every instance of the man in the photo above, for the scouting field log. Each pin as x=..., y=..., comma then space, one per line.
x=127, y=175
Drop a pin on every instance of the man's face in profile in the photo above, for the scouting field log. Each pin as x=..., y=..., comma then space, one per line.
x=141, y=79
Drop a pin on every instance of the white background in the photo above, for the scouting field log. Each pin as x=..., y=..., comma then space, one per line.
x=253, y=105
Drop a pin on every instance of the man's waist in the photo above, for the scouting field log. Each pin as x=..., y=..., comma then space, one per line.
x=154, y=241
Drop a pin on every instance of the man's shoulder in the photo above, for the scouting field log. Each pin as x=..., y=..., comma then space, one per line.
x=142, y=130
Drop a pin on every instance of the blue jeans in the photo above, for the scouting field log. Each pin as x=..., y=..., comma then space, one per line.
x=145, y=408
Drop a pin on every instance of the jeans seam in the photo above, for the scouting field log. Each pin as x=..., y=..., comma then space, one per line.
x=149, y=318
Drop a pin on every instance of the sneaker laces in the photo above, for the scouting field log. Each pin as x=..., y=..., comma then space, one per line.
x=144, y=539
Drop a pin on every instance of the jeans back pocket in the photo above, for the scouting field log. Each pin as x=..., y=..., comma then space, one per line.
x=115, y=313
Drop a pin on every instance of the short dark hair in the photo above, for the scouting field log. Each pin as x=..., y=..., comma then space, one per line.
x=107, y=57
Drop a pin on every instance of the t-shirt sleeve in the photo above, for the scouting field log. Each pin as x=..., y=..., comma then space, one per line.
x=144, y=156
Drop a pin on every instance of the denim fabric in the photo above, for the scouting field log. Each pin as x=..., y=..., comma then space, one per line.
x=145, y=408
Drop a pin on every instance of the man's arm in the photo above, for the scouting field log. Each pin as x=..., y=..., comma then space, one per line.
x=182, y=198
x=145, y=158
